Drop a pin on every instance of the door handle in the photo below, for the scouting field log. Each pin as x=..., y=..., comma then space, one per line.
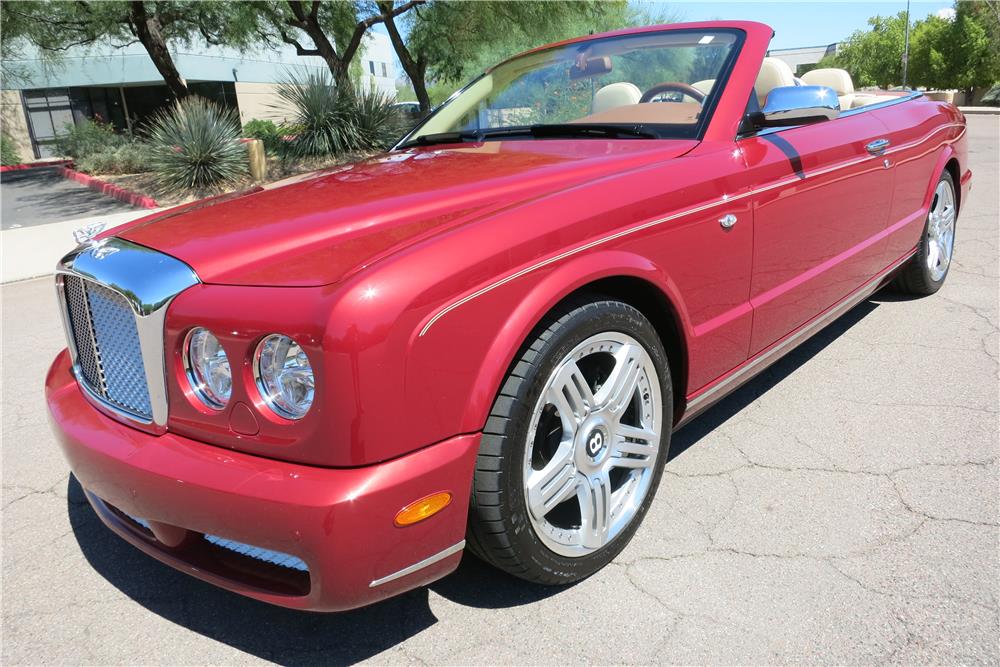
x=727, y=221
x=877, y=147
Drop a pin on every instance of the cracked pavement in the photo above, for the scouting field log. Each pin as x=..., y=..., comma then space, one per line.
x=840, y=508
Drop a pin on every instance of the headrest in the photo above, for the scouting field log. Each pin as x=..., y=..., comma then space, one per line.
x=704, y=86
x=831, y=77
x=774, y=73
x=616, y=95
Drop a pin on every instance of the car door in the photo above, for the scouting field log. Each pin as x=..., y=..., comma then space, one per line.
x=821, y=200
x=917, y=132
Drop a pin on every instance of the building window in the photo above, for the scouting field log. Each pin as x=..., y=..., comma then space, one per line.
x=371, y=66
x=385, y=72
x=49, y=116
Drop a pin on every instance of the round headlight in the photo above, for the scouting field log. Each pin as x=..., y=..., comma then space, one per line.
x=208, y=368
x=284, y=376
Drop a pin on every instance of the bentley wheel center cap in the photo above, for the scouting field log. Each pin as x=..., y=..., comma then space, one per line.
x=596, y=443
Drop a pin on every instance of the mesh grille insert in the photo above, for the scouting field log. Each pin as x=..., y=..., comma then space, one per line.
x=107, y=345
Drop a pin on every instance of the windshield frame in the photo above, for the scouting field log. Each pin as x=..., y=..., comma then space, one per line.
x=694, y=131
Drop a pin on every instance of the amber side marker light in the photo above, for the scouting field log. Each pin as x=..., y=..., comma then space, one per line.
x=422, y=509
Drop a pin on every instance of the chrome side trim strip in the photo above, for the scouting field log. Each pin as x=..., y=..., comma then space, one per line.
x=881, y=105
x=441, y=555
x=766, y=358
x=725, y=199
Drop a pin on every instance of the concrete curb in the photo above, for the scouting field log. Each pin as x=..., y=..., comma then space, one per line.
x=109, y=189
x=35, y=165
x=971, y=111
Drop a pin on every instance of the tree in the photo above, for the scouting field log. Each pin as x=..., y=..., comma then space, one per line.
x=960, y=52
x=14, y=30
x=874, y=57
x=335, y=28
x=932, y=53
x=449, y=40
x=58, y=26
x=976, y=34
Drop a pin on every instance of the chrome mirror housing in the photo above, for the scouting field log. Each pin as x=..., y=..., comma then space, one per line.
x=797, y=105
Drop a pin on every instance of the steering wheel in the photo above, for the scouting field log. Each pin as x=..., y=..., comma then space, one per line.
x=672, y=86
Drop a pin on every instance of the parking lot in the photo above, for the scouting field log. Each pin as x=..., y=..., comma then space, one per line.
x=40, y=196
x=841, y=508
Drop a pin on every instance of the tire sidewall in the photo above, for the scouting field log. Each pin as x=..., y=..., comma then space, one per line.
x=923, y=253
x=581, y=323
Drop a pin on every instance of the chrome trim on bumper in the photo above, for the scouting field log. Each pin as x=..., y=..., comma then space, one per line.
x=148, y=280
x=441, y=555
x=278, y=558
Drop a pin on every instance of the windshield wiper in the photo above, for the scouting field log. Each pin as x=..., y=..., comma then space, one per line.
x=594, y=130
x=569, y=130
x=442, y=138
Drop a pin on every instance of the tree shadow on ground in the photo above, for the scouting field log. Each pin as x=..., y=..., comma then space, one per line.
x=38, y=196
x=302, y=638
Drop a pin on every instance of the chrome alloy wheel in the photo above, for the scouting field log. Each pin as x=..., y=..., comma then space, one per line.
x=592, y=444
x=941, y=230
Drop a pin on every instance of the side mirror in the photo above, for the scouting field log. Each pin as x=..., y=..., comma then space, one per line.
x=797, y=105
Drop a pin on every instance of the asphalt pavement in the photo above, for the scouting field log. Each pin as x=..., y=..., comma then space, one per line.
x=41, y=196
x=841, y=508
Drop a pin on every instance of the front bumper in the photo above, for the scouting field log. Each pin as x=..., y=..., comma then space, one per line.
x=337, y=523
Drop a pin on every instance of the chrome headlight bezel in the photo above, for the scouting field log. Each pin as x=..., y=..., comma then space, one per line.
x=272, y=396
x=199, y=386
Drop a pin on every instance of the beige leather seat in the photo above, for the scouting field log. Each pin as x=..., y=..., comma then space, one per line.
x=837, y=79
x=614, y=95
x=774, y=73
x=704, y=86
x=864, y=99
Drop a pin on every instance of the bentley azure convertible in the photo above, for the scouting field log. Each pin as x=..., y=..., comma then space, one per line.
x=321, y=393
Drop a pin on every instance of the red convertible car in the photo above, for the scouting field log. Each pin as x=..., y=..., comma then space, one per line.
x=320, y=394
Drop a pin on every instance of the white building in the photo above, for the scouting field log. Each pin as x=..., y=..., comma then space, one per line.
x=378, y=63
x=803, y=58
x=120, y=85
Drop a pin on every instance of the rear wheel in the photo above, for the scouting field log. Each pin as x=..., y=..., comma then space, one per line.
x=926, y=271
x=575, y=444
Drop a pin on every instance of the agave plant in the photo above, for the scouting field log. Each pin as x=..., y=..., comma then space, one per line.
x=378, y=122
x=329, y=120
x=195, y=145
x=320, y=118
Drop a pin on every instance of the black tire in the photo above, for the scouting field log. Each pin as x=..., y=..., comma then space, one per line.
x=915, y=276
x=500, y=531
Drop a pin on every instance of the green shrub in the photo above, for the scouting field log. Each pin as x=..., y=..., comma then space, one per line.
x=329, y=121
x=267, y=132
x=320, y=116
x=87, y=138
x=194, y=145
x=129, y=158
x=8, y=151
x=379, y=124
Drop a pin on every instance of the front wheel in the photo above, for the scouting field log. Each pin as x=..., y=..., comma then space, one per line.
x=925, y=273
x=575, y=445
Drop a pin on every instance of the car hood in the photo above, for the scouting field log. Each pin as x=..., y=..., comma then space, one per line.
x=320, y=228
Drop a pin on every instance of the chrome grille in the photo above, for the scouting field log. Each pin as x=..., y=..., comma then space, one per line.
x=114, y=296
x=109, y=356
x=83, y=335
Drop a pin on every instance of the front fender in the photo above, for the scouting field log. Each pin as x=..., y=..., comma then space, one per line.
x=488, y=330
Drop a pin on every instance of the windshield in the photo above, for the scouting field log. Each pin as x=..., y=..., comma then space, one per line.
x=654, y=84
